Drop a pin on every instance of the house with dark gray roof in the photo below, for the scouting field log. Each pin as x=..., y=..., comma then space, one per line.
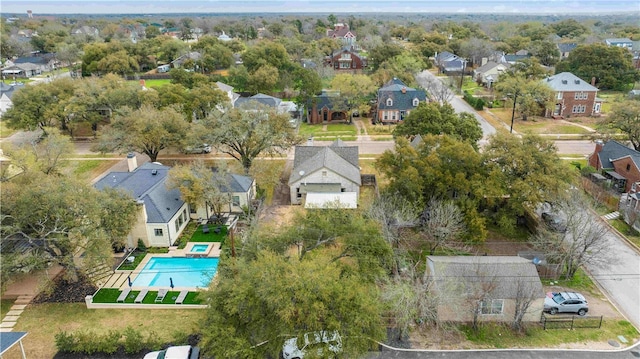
x=565, y=49
x=260, y=98
x=618, y=163
x=573, y=96
x=490, y=287
x=162, y=215
x=327, y=107
x=329, y=172
x=6, y=93
x=396, y=100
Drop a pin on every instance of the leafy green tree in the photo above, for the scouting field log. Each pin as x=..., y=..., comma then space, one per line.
x=532, y=96
x=355, y=90
x=433, y=118
x=266, y=53
x=151, y=32
x=201, y=185
x=545, y=51
x=171, y=49
x=118, y=63
x=45, y=156
x=611, y=66
x=248, y=132
x=403, y=67
x=307, y=83
x=263, y=79
x=625, y=117
x=380, y=54
x=61, y=217
x=570, y=28
x=146, y=130
x=257, y=305
x=521, y=173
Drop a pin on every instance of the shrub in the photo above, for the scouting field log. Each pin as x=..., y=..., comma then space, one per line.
x=65, y=342
x=132, y=341
x=141, y=246
x=587, y=170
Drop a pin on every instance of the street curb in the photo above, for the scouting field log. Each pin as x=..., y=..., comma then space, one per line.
x=613, y=229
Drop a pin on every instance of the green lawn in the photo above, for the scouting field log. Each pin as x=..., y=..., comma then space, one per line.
x=5, y=131
x=346, y=132
x=627, y=230
x=199, y=236
x=5, y=305
x=110, y=295
x=155, y=82
x=493, y=335
x=138, y=256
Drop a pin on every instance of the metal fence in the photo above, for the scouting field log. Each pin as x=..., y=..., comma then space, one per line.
x=571, y=322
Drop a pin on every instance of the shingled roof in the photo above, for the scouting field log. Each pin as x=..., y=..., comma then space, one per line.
x=503, y=273
x=566, y=81
x=613, y=150
x=402, y=96
x=147, y=184
x=337, y=157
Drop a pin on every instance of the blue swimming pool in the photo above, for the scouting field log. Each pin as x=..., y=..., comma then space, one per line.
x=182, y=271
x=199, y=248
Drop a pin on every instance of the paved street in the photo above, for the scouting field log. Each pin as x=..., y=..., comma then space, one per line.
x=508, y=354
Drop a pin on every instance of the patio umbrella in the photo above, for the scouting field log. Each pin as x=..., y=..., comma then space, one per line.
x=129, y=280
x=171, y=281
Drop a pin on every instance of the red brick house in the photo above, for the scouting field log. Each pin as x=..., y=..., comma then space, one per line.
x=618, y=163
x=328, y=107
x=573, y=96
x=347, y=60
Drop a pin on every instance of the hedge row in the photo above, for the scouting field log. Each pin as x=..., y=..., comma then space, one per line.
x=89, y=342
x=476, y=103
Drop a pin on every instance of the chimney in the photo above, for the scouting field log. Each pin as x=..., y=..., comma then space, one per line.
x=132, y=162
x=599, y=146
x=593, y=81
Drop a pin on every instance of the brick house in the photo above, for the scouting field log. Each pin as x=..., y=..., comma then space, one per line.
x=573, y=96
x=327, y=107
x=396, y=100
x=618, y=163
x=346, y=59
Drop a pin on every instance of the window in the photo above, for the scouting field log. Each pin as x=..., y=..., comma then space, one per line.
x=393, y=115
x=345, y=65
x=415, y=102
x=581, y=96
x=385, y=115
x=628, y=167
x=177, y=223
x=491, y=306
x=298, y=194
x=324, y=173
x=158, y=232
x=389, y=102
x=559, y=96
x=345, y=56
x=235, y=200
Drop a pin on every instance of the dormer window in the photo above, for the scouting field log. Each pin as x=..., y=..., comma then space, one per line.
x=389, y=102
x=416, y=102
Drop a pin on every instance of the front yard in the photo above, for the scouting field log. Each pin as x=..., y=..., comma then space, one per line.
x=329, y=132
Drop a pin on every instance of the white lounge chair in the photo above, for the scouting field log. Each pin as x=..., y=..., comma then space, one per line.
x=141, y=295
x=181, y=296
x=161, y=294
x=123, y=295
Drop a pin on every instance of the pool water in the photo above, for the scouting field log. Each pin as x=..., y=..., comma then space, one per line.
x=184, y=272
x=199, y=248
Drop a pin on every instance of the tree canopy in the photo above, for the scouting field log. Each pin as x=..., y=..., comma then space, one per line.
x=626, y=118
x=434, y=118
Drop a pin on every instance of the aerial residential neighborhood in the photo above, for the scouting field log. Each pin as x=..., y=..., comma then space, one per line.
x=256, y=181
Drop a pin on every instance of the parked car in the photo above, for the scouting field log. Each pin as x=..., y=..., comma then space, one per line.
x=203, y=148
x=323, y=343
x=555, y=221
x=178, y=352
x=565, y=302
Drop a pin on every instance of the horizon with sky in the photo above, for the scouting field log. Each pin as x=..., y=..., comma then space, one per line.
x=552, y=7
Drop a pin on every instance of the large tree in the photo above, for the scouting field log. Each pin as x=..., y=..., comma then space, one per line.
x=45, y=156
x=248, y=132
x=257, y=305
x=146, y=130
x=355, y=91
x=532, y=97
x=434, y=118
x=611, y=66
x=626, y=118
x=59, y=217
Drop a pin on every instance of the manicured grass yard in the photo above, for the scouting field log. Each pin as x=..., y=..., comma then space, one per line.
x=199, y=236
x=110, y=295
x=165, y=324
x=346, y=132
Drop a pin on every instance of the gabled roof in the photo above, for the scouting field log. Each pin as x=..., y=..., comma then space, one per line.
x=613, y=150
x=260, y=98
x=503, y=273
x=401, y=95
x=489, y=66
x=8, y=90
x=566, y=81
x=445, y=56
x=453, y=64
x=337, y=157
x=618, y=39
x=567, y=47
x=238, y=183
x=147, y=184
x=327, y=100
x=42, y=60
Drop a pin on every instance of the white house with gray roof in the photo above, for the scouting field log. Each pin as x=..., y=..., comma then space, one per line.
x=163, y=214
x=332, y=171
x=487, y=285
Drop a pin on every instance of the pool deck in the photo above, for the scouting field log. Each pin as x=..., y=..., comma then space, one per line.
x=119, y=278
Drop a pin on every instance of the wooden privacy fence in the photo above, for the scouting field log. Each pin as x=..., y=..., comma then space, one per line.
x=571, y=322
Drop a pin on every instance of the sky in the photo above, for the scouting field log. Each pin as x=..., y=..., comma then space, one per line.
x=558, y=7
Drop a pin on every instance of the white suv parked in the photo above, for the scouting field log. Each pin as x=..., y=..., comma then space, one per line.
x=565, y=302
x=324, y=344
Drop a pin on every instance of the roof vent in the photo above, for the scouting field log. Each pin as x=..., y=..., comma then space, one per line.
x=154, y=172
x=577, y=82
x=564, y=82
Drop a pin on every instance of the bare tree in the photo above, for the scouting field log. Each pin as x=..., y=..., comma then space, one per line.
x=441, y=222
x=526, y=292
x=583, y=242
x=439, y=91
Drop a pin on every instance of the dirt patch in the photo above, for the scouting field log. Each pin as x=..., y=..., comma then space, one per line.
x=599, y=305
x=64, y=291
